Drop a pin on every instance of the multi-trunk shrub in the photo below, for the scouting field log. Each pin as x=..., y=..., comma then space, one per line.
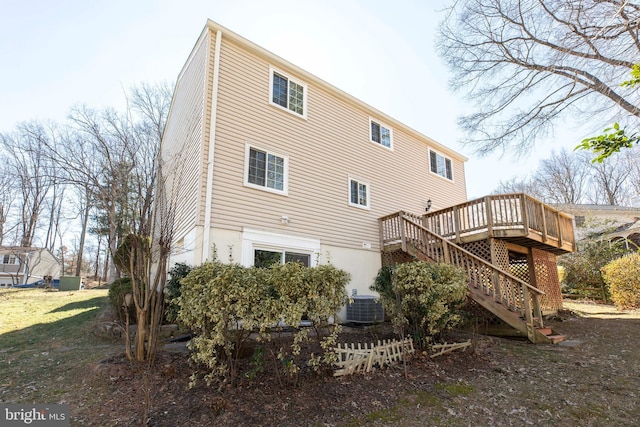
x=225, y=303
x=623, y=278
x=423, y=299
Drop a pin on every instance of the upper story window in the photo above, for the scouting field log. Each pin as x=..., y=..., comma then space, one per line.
x=9, y=259
x=380, y=133
x=358, y=193
x=440, y=165
x=288, y=93
x=266, y=170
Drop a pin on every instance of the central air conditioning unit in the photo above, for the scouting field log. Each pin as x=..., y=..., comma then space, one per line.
x=365, y=309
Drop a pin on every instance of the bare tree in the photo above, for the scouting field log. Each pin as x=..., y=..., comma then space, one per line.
x=526, y=63
x=563, y=177
x=632, y=156
x=110, y=157
x=609, y=181
x=54, y=205
x=7, y=196
x=570, y=178
x=31, y=171
x=519, y=185
x=86, y=203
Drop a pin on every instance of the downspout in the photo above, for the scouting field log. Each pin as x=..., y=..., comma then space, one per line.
x=206, y=238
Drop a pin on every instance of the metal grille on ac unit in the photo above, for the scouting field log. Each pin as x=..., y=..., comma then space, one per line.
x=365, y=309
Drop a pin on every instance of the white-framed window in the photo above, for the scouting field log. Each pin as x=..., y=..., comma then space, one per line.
x=266, y=170
x=440, y=165
x=380, y=133
x=263, y=248
x=359, y=194
x=265, y=257
x=287, y=92
x=9, y=259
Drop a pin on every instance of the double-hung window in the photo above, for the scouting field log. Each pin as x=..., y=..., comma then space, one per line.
x=288, y=93
x=380, y=134
x=358, y=193
x=440, y=165
x=265, y=170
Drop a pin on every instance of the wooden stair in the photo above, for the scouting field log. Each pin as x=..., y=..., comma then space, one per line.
x=514, y=301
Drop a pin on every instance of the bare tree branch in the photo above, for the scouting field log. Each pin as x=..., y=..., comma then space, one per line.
x=527, y=63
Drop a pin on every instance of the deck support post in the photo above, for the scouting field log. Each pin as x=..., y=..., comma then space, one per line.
x=528, y=315
x=456, y=221
x=403, y=234
x=544, y=224
x=525, y=213
x=495, y=277
x=445, y=252
x=559, y=228
x=489, y=213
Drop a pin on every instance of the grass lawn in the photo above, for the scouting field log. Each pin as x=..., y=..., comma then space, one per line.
x=46, y=342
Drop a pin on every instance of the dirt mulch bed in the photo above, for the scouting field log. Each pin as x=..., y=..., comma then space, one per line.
x=590, y=380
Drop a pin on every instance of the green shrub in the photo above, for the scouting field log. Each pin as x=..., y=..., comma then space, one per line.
x=424, y=298
x=172, y=291
x=117, y=291
x=623, y=278
x=225, y=303
x=382, y=284
x=582, y=269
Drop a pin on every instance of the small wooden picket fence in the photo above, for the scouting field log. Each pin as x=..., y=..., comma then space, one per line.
x=440, y=349
x=363, y=357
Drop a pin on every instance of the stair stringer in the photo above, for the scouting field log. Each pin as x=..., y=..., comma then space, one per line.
x=510, y=317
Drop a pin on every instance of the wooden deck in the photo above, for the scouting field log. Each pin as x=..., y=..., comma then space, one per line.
x=510, y=298
x=515, y=218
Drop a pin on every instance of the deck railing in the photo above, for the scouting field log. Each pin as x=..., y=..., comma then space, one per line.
x=518, y=296
x=513, y=214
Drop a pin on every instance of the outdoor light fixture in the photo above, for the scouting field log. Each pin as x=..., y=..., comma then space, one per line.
x=284, y=219
x=428, y=205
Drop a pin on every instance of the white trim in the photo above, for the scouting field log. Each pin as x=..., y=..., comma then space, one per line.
x=257, y=239
x=382, y=125
x=206, y=239
x=285, y=184
x=363, y=182
x=294, y=80
x=444, y=157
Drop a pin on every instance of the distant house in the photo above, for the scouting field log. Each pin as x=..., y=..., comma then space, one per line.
x=268, y=163
x=20, y=265
x=607, y=221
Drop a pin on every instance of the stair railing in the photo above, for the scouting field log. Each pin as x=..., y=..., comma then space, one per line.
x=515, y=294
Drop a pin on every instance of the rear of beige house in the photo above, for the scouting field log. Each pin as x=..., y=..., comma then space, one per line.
x=268, y=160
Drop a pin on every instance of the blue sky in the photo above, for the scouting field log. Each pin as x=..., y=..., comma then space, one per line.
x=56, y=54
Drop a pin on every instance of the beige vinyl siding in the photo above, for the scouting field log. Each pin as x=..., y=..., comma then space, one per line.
x=324, y=150
x=182, y=142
